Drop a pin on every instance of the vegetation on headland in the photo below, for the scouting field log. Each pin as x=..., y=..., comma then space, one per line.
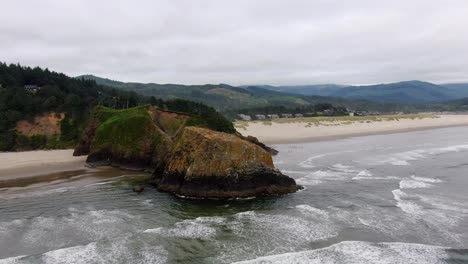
x=186, y=160
x=122, y=130
x=27, y=92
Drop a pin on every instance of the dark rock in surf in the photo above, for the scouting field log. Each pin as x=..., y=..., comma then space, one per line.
x=186, y=160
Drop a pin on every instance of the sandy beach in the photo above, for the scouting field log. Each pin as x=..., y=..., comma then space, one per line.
x=15, y=165
x=311, y=129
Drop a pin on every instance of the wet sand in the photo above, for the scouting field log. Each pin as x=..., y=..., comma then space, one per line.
x=14, y=165
x=292, y=131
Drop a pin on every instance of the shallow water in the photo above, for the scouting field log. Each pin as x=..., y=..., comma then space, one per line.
x=397, y=198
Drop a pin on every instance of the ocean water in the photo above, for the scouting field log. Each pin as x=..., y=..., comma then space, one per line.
x=398, y=198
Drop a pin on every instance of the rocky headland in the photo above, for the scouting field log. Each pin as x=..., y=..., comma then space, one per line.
x=186, y=158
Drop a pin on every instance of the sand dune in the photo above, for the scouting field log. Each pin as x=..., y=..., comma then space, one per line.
x=310, y=129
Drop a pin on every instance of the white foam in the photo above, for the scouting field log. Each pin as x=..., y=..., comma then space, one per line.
x=367, y=175
x=47, y=232
x=100, y=252
x=147, y=202
x=201, y=227
x=294, y=172
x=29, y=194
x=308, y=163
x=344, y=168
x=423, y=179
x=444, y=204
x=443, y=150
x=12, y=260
x=307, y=181
x=357, y=252
x=357, y=178
x=283, y=230
x=413, y=184
x=404, y=204
x=364, y=173
x=310, y=209
x=404, y=158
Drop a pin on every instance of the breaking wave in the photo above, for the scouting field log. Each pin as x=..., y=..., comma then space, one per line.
x=357, y=252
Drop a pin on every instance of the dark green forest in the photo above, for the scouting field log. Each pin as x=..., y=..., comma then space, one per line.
x=26, y=92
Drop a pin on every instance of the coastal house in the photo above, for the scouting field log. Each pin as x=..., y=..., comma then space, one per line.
x=273, y=116
x=245, y=117
x=32, y=88
x=286, y=115
x=298, y=115
x=260, y=117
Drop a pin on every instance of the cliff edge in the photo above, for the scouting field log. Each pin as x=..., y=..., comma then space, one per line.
x=186, y=160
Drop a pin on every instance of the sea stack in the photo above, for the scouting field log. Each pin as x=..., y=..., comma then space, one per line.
x=210, y=164
x=187, y=160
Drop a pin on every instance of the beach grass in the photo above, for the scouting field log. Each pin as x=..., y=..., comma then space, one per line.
x=335, y=120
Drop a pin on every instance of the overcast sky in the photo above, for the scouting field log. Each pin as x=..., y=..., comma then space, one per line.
x=241, y=41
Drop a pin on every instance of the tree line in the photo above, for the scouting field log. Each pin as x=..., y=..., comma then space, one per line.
x=56, y=92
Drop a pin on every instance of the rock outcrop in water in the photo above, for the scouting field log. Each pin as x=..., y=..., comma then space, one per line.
x=206, y=163
x=187, y=160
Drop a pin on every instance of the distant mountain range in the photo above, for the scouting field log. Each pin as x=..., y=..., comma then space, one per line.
x=224, y=97
x=408, y=92
x=401, y=96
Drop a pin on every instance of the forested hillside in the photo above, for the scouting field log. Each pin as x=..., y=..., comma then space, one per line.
x=26, y=93
x=229, y=99
x=223, y=97
x=408, y=92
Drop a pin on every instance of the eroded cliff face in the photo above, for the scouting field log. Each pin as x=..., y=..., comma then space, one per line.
x=200, y=151
x=47, y=124
x=186, y=160
x=210, y=164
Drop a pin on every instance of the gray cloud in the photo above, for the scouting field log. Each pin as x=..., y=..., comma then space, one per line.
x=241, y=42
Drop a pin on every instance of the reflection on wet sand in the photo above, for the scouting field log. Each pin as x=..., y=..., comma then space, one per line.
x=60, y=180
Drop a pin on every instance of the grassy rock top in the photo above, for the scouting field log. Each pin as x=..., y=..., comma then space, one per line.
x=203, y=152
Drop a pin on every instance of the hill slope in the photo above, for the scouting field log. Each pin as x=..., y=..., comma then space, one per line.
x=232, y=100
x=402, y=92
x=318, y=89
x=409, y=92
x=44, y=109
x=223, y=97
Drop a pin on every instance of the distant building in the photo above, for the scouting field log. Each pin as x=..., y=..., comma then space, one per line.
x=351, y=113
x=298, y=115
x=361, y=113
x=245, y=117
x=329, y=112
x=32, y=88
x=286, y=115
x=260, y=117
x=273, y=116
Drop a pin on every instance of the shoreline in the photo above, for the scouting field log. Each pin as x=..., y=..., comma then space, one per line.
x=284, y=132
x=22, y=165
x=360, y=134
x=16, y=165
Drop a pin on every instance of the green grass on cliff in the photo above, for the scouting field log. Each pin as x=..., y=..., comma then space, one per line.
x=123, y=131
x=133, y=132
